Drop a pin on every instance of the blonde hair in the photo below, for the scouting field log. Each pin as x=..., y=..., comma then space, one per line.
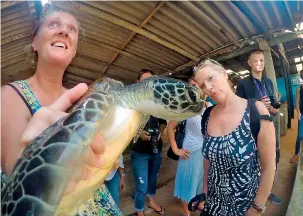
x=208, y=63
x=32, y=56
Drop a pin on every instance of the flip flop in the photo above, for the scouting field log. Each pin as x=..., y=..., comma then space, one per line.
x=161, y=212
x=193, y=204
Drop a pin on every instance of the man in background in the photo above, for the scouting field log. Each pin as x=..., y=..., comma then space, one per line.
x=146, y=159
x=258, y=86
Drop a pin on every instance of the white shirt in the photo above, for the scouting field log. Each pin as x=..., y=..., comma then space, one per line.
x=113, y=172
x=193, y=136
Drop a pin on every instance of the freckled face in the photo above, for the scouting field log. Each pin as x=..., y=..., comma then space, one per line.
x=57, y=39
x=213, y=82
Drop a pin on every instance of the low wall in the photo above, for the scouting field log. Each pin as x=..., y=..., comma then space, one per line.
x=295, y=206
x=283, y=119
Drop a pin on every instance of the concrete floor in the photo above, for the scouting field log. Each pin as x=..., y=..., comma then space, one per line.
x=282, y=187
x=286, y=173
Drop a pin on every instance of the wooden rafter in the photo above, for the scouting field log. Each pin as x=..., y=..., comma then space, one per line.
x=123, y=23
x=6, y=4
x=221, y=52
x=133, y=34
x=87, y=40
x=223, y=49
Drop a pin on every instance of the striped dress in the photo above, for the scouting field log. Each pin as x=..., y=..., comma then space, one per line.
x=234, y=173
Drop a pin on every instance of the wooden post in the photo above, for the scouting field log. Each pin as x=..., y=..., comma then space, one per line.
x=270, y=73
x=269, y=65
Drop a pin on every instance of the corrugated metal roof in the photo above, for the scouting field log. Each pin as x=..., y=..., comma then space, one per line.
x=119, y=38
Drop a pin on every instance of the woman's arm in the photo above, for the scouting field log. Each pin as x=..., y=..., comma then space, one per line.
x=14, y=119
x=172, y=125
x=162, y=129
x=122, y=174
x=206, y=166
x=298, y=102
x=267, y=153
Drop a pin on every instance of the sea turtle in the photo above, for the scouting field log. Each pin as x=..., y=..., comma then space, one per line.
x=40, y=176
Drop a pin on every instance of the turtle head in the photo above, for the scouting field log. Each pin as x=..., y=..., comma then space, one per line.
x=174, y=99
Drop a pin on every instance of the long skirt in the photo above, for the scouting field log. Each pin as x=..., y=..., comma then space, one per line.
x=189, y=177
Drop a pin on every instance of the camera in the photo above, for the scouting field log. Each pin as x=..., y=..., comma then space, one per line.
x=154, y=134
x=274, y=103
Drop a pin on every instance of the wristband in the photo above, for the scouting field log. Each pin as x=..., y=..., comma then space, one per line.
x=258, y=207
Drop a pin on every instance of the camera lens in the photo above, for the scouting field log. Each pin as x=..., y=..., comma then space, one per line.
x=274, y=103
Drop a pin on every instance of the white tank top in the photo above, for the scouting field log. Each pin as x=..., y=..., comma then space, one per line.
x=193, y=136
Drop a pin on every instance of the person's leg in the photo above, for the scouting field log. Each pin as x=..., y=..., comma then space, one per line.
x=140, y=171
x=113, y=186
x=189, y=178
x=295, y=158
x=154, y=167
x=185, y=208
x=299, y=136
x=272, y=197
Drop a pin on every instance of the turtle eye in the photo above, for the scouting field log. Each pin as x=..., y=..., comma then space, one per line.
x=191, y=96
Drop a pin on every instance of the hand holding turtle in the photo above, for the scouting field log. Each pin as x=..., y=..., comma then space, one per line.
x=46, y=116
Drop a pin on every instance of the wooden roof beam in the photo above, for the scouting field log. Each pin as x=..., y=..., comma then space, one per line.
x=130, y=55
x=6, y=4
x=84, y=9
x=229, y=50
x=132, y=35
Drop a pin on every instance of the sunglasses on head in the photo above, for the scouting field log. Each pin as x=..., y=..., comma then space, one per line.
x=203, y=62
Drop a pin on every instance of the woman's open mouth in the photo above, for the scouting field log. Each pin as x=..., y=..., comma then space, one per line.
x=59, y=44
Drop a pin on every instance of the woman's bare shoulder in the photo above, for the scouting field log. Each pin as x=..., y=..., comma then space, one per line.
x=9, y=95
x=11, y=102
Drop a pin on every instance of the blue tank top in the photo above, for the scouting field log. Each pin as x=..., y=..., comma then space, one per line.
x=28, y=96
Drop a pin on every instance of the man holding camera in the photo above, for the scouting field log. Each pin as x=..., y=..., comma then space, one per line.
x=260, y=87
x=146, y=158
